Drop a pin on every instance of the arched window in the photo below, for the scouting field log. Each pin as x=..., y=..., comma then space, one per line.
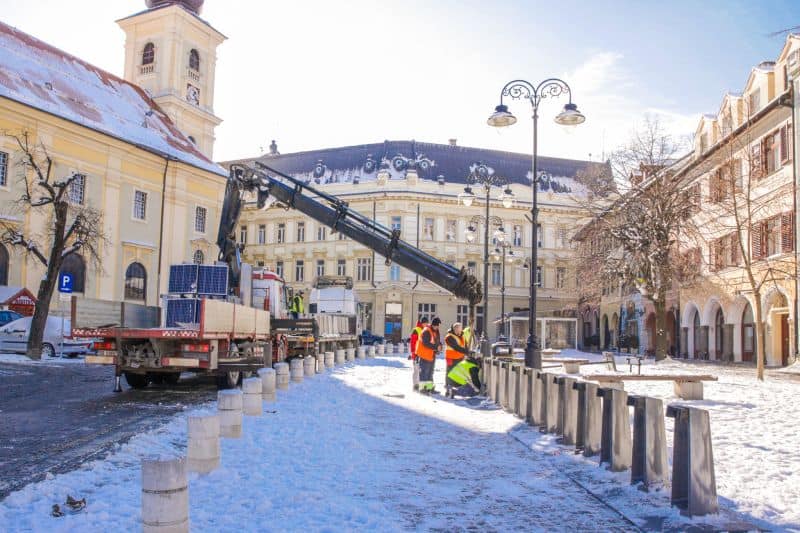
x=149, y=54
x=4, y=260
x=135, y=282
x=719, y=333
x=74, y=264
x=697, y=332
x=194, y=59
x=748, y=334
x=199, y=257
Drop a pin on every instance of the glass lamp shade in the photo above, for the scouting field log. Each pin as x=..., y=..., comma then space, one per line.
x=495, y=255
x=500, y=234
x=507, y=198
x=501, y=117
x=511, y=257
x=570, y=116
x=467, y=197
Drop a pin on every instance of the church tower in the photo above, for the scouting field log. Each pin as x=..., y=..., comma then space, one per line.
x=171, y=53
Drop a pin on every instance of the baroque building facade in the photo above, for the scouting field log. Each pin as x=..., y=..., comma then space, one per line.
x=142, y=143
x=413, y=187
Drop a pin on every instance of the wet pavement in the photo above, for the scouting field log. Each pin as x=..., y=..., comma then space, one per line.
x=56, y=416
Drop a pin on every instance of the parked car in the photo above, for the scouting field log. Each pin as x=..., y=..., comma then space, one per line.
x=8, y=316
x=368, y=338
x=14, y=338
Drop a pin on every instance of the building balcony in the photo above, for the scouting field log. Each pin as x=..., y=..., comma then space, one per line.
x=192, y=74
x=147, y=69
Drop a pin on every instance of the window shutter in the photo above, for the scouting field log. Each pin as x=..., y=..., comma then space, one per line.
x=755, y=160
x=787, y=232
x=784, y=145
x=755, y=235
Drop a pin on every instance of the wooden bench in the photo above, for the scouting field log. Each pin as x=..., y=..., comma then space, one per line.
x=687, y=387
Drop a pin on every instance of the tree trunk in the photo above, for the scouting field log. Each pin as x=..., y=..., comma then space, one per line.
x=760, y=338
x=661, y=332
x=48, y=284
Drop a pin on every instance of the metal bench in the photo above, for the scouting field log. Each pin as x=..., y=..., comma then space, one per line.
x=687, y=387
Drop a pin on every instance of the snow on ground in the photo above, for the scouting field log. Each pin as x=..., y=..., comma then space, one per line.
x=354, y=449
x=21, y=359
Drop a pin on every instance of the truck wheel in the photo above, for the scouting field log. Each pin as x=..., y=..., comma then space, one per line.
x=136, y=381
x=228, y=380
x=171, y=378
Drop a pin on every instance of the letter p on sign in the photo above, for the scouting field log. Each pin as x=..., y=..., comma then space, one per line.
x=65, y=282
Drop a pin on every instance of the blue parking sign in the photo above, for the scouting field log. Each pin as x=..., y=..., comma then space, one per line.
x=64, y=282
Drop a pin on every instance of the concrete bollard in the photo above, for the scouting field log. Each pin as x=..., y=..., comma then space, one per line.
x=229, y=406
x=340, y=357
x=165, y=495
x=522, y=392
x=388, y=349
x=296, y=370
x=362, y=352
x=536, y=404
x=370, y=352
x=350, y=354
x=309, y=366
x=615, y=438
x=568, y=410
x=282, y=376
x=649, y=461
x=550, y=401
x=688, y=390
x=252, y=389
x=203, y=449
x=330, y=359
x=494, y=372
x=502, y=383
x=590, y=419
x=512, y=387
x=267, y=376
x=571, y=368
x=380, y=349
x=694, y=484
x=320, y=364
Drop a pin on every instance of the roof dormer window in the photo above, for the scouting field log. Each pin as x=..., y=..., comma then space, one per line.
x=754, y=101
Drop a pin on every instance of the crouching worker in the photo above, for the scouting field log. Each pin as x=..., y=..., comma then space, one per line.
x=465, y=378
x=455, y=350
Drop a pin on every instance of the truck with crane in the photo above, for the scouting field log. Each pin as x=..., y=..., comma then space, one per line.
x=234, y=334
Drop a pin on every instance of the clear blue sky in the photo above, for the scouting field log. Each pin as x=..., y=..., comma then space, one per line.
x=322, y=73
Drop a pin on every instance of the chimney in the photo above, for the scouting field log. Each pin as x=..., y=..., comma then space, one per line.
x=273, y=148
x=452, y=142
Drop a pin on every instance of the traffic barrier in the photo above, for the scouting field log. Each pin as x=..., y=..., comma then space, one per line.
x=296, y=369
x=329, y=359
x=615, y=438
x=309, y=366
x=649, y=462
x=252, y=389
x=362, y=352
x=282, y=376
x=350, y=354
x=536, y=404
x=370, y=352
x=229, y=406
x=165, y=495
x=320, y=364
x=550, y=399
x=694, y=485
x=568, y=410
x=267, y=376
x=380, y=349
x=590, y=419
x=340, y=357
x=203, y=449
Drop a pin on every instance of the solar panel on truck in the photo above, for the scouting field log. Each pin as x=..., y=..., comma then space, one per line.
x=213, y=280
x=183, y=312
x=183, y=279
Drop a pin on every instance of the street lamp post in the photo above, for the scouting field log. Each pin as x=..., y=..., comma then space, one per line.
x=506, y=256
x=569, y=116
x=482, y=175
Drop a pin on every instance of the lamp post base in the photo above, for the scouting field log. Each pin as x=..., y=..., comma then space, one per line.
x=533, y=355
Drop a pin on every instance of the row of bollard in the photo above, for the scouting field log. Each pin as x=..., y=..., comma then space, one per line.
x=165, y=493
x=596, y=420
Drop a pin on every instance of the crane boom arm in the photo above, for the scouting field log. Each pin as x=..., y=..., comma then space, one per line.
x=335, y=213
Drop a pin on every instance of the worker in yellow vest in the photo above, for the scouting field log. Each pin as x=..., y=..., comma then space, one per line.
x=455, y=350
x=297, y=306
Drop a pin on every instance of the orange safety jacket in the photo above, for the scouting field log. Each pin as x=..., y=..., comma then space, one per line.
x=454, y=355
x=423, y=351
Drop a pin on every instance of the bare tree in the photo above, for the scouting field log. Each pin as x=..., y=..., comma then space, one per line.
x=71, y=226
x=746, y=223
x=631, y=238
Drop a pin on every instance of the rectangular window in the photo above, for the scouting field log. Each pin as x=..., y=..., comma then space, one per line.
x=517, y=235
x=322, y=233
x=341, y=267
x=397, y=223
x=427, y=229
x=243, y=234
x=426, y=310
x=279, y=269
x=773, y=235
x=200, y=214
x=3, y=169
x=562, y=237
x=281, y=237
x=394, y=273
x=451, y=230
x=140, y=205
x=472, y=268
x=539, y=236
x=770, y=150
x=299, y=271
x=262, y=234
x=320, y=267
x=342, y=236
x=462, y=314
x=260, y=263
x=496, y=275
x=301, y=231
x=364, y=269
x=539, y=277
x=77, y=188
x=561, y=277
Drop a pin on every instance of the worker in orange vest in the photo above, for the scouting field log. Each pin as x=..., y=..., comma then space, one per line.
x=427, y=346
x=455, y=350
x=421, y=323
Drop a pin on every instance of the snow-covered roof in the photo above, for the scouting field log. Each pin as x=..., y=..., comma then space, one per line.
x=36, y=74
x=8, y=293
